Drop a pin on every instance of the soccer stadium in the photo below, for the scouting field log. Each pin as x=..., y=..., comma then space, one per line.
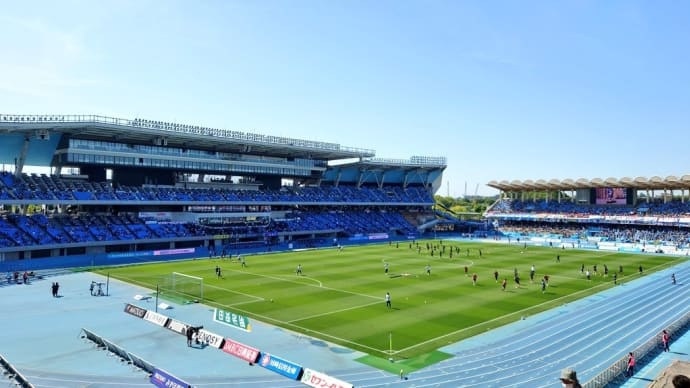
x=182, y=255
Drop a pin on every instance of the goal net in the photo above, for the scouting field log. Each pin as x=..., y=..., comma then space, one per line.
x=182, y=287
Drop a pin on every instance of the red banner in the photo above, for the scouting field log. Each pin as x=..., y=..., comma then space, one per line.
x=241, y=351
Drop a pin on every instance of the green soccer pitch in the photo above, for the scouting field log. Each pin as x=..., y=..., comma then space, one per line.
x=340, y=297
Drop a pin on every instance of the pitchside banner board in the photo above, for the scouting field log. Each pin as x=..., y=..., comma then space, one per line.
x=177, y=326
x=239, y=350
x=231, y=319
x=158, y=319
x=280, y=366
x=212, y=339
x=163, y=379
x=315, y=379
x=135, y=310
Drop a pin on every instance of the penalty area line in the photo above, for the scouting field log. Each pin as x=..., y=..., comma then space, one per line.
x=332, y=312
x=292, y=280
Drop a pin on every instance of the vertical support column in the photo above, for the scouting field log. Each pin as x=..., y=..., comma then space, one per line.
x=19, y=162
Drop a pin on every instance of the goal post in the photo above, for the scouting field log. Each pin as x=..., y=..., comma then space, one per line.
x=178, y=285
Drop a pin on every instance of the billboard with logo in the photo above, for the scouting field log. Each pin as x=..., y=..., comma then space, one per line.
x=239, y=350
x=316, y=379
x=280, y=366
x=135, y=310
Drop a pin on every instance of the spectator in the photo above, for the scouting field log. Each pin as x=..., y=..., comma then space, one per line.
x=569, y=378
x=190, y=335
x=681, y=381
x=664, y=340
x=631, y=365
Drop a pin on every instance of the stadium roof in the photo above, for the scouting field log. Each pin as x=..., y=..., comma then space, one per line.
x=177, y=135
x=414, y=162
x=639, y=183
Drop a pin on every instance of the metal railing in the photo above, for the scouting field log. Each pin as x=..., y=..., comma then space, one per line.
x=439, y=161
x=12, y=374
x=183, y=129
x=643, y=354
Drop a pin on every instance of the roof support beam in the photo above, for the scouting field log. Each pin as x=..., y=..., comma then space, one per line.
x=19, y=162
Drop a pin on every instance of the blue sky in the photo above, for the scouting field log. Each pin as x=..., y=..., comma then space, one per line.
x=503, y=89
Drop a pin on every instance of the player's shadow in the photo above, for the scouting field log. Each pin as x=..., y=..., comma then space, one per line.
x=198, y=345
x=642, y=379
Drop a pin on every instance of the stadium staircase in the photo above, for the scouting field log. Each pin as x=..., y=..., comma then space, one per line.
x=423, y=227
x=447, y=213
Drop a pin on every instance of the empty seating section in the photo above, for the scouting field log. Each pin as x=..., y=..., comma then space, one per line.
x=335, y=213
x=12, y=235
x=50, y=188
x=32, y=229
x=19, y=230
x=351, y=222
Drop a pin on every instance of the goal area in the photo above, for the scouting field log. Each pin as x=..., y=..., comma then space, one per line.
x=182, y=287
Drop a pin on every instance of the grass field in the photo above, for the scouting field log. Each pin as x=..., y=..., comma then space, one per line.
x=340, y=296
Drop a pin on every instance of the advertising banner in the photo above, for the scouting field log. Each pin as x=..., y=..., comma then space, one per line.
x=239, y=350
x=316, y=379
x=231, y=319
x=154, y=317
x=212, y=339
x=280, y=366
x=178, y=251
x=135, y=310
x=119, y=255
x=160, y=216
x=162, y=379
x=177, y=326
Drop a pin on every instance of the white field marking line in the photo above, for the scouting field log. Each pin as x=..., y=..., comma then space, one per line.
x=308, y=278
x=334, y=312
x=307, y=285
x=495, y=319
x=248, y=302
x=237, y=292
x=304, y=329
x=258, y=298
x=440, y=262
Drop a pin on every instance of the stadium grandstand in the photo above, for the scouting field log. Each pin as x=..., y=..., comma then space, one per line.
x=635, y=215
x=122, y=189
x=626, y=214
